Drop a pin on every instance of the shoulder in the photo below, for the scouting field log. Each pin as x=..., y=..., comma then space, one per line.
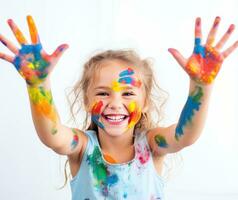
x=75, y=157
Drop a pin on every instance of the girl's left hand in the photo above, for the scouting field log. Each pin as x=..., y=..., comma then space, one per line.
x=205, y=62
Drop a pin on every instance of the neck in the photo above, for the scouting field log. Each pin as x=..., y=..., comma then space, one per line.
x=119, y=143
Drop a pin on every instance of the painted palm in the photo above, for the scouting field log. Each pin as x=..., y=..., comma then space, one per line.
x=202, y=67
x=31, y=61
x=206, y=60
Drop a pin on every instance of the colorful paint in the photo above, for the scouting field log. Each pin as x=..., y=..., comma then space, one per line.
x=30, y=60
x=18, y=34
x=43, y=103
x=75, y=140
x=125, y=77
x=103, y=178
x=205, y=63
x=134, y=114
x=109, y=158
x=33, y=30
x=143, y=153
x=30, y=64
x=193, y=103
x=161, y=141
x=96, y=113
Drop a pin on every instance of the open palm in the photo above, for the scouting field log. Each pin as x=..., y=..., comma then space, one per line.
x=31, y=61
x=206, y=60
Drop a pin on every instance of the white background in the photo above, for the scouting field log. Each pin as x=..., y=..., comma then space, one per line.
x=29, y=170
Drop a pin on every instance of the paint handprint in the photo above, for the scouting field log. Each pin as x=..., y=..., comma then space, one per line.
x=205, y=62
x=31, y=61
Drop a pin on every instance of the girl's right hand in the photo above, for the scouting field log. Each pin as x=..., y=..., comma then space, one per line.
x=31, y=61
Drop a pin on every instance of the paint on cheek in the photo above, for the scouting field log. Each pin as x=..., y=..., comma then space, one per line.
x=103, y=178
x=43, y=102
x=193, y=104
x=161, y=141
x=96, y=110
x=134, y=114
x=75, y=140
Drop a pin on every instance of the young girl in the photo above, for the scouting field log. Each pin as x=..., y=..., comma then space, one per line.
x=120, y=154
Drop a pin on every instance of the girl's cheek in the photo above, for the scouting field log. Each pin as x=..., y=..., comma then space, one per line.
x=134, y=113
x=96, y=113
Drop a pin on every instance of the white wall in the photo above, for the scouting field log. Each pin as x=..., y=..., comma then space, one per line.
x=29, y=170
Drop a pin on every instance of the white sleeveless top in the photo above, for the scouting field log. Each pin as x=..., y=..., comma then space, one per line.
x=98, y=179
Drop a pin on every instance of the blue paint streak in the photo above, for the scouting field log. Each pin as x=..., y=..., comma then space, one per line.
x=111, y=180
x=95, y=119
x=126, y=73
x=186, y=115
x=126, y=80
x=199, y=49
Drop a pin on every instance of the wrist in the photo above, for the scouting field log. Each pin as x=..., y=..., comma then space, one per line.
x=45, y=84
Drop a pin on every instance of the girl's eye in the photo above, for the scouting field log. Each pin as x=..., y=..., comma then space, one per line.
x=102, y=94
x=128, y=94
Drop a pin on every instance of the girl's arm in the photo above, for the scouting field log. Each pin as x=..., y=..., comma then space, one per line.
x=202, y=68
x=35, y=66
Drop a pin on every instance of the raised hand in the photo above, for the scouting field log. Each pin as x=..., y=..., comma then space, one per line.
x=31, y=61
x=205, y=62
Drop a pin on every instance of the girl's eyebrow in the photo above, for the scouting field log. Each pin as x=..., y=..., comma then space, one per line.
x=109, y=88
x=102, y=87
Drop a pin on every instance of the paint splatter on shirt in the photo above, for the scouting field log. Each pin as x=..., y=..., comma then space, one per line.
x=134, y=180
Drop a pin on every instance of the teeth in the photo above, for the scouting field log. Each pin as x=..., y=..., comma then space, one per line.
x=115, y=118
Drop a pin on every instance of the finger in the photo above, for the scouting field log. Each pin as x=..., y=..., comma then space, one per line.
x=56, y=55
x=198, y=31
x=59, y=51
x=33, y=30
x=18, y=34
x=229, y=50
x=225, y=37
x=6, y=57
x=8, y=44
x=178, y=56
x=213, y=31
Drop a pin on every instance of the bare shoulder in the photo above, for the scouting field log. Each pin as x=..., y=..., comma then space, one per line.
x=83, y=139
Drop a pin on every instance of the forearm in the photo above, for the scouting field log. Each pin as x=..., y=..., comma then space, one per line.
x=44, y=113
x=194, y=113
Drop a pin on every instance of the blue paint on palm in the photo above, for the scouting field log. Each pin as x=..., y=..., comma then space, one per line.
x=34, y=54
x=198, y=48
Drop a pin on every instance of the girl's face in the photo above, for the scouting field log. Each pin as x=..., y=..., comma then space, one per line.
x=116, y=98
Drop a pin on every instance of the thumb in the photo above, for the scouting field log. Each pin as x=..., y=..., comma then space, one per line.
x=178, y=56
x=59, y=51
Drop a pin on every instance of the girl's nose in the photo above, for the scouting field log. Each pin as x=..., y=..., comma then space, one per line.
x=115, y=104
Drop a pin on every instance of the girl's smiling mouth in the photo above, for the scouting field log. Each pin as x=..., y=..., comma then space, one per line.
x=115, y=119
